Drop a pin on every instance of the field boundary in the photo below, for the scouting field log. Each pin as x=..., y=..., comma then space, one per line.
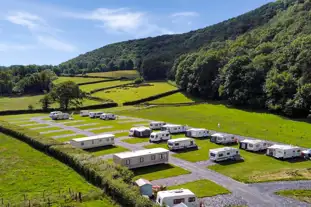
x=110, y=87
x=99, y=81
x=175, y=104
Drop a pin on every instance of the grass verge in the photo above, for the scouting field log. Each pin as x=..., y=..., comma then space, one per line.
x=301, y=195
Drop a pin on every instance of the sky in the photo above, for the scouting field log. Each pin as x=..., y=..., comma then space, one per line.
x=54, y=31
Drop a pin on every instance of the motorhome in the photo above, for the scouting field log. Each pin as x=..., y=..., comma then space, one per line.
x=253, y=145
x=140, y=132
x=84, y=113
x=156, y=125
x=142, y=158
x=174, y=129
x=93, y=141
x=54, y=112
x=95, y=114
x=181, y=143
x=108, y=116
x=225, y=153
x=219, y=138
x=60, y=116
x=284, y=151
x=159, y=136
x=197, y=133
x=172, y=198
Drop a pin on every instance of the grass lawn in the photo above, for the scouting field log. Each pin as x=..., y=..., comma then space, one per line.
x=121, y=95
x=158, y=172
x=46, y=129
x=122, y=134
x=132, y=74
x=302, y=195
x=104, y=202
x=202, y=188
x=76, y=79
x=175, y=98
x=100, y=151
x=90, y=87
x=70, y=138
x=53, y=134
x=140, y=140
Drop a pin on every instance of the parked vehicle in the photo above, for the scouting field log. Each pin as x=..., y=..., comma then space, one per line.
x=174, y=129
x=223, y=154
x=156, y=124
x=284, y=151
x=108, y=116
x=172, y=198
x=93, y=141
x=306, y=153
x=253, y=145
x=84, y=113
x=54, y=112
x=197, y=133
x=140, y=132
x=60, y=116
x=181, y=143
x=95, y=114
x=219, y=138
x=159, y=136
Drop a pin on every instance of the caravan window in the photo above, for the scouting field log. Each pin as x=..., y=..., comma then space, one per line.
x=100, y=140
x=162, y=156
x=228, y=153
x=212, y=155
x=298, y=150
x=127, y=162
x=153, y=157
x=178, y=201
x=92, y=141
x=175, y=128
x=220, y=155
x=250, y=145
x=191, y=199
x=141, y=159
x=82, y=143
x=176, y=144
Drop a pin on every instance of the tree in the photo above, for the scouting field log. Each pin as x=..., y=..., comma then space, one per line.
x=122, y=65
x=129, y=65
x=46, y=101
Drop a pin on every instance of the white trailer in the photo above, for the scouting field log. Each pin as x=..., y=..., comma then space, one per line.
x=181, y=143
x=95, y=114
x=219, y=138
x=142, y=158
x=140, y=132
x=225, y=153
x=253, y=145
x=284, y=151
x=159, y=136
x=60, y=116
x=54, y=112
x=174, y=129
x=93, y=141
x=172, y=198
x=197, y=133
x=84, y=113
x=107, y=116
x=156, y=124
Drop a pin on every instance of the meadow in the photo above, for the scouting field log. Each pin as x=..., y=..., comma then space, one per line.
x=302, y=195
x=77, y=80
x=90, y=87
x=131, y=74
x=174, y=99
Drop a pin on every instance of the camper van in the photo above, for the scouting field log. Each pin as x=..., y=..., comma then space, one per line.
x=159, y=136
x=181, y=143
x=108, y=116
x=172, y=198
x=284, y=151
x=225, y=153
x=140, y=132
x=253, y=145
x=156, y=124
x=93, y=141
x=142, y=158
x=223, y=139
x=84, y=113
x=60, y=116
x=197, y=133
x=54, y=112
x=95, y=114
x=174, y=129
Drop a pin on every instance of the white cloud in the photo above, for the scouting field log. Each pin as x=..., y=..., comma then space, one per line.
x=185, y=14
x=55, y=44
x=5, y=47
x=31, y=21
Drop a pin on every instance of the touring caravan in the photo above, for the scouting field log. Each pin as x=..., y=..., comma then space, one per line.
x=84, y=113
x=108, y=116
x=181, y=143
x=284, y=151
x=60, y=116
x=172, y=198
x=54, y=112
x=225, y=153
x=142, y=158
x=93, y=141
x=253, y=145
x=140, y=132
x=197, y=133
x=156, y=125
x=95, y=114
x=174, y=129
x=159, y=136
x=306, y=153
x=223, y=139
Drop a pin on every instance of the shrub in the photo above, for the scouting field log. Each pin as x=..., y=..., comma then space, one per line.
x=139, y=80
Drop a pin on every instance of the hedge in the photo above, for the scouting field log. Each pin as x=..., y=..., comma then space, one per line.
x=110, y=87
x=116, y=181
x=99, y=81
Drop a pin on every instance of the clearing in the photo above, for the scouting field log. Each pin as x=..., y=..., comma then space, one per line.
x=131, y=74
x=302, y=195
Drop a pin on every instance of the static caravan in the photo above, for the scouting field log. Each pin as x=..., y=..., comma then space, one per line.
x=107, y=116
x=142, y=158
x=225, y=153
x=253, y=145
x=284, y=151
x=223, y=139
x=197, y=133
x=84, y=113
x=306, y=153
x=140, y=132
x=54, y=113
x=181, y=143
x=93, y=141
x=174, y=129
x=95, y=114
x=172, y=198
x=60, y=116
x=159, y=136
x=156, y=124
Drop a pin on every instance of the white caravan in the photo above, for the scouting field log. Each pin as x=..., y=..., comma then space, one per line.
x=142, y=158
x=181, y=143
x=54, y=112
x=225, y=153
x=219, y=138
x=60, y=116
x=95, y=114
x=107, y=116
x=140, y=132
x=174, y=129
x=172, y=198
x=197, y=133
x=253, y=145
x=84, y=113
x=284, y=151
x=156, y=124
x=93, y=141
x=159, y=136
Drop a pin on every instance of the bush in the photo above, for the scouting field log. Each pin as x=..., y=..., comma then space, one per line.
x=139, y=80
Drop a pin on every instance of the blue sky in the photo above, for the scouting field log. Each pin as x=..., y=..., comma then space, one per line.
x=53, y=31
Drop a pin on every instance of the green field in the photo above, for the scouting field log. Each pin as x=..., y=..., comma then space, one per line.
x=132, y=74
x=100, y=151
x=302, y=195
x=172, y=99
x=202, y=188
x=121, y=95
x=76, y=80
x=90, y=87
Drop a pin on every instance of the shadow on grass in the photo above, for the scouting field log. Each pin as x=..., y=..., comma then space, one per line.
x=230, y=162
x=152, y=169
x=180, y=151
x=297, y=160
x=97, y=149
